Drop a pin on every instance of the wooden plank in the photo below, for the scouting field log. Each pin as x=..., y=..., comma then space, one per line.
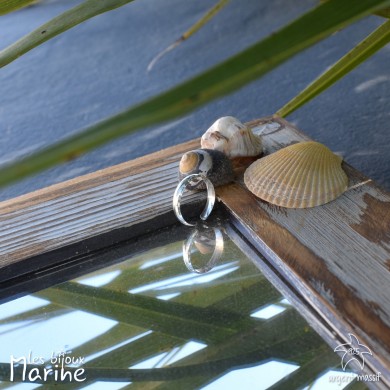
x=337, y=255
x=120, y=196
x=333, y=337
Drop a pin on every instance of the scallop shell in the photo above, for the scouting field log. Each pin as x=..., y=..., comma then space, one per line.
x=232, y=137
x=213, y=164
x=302, y=175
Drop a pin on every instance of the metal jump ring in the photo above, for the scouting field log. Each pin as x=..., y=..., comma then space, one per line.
x=180, y=190
x=218, y=250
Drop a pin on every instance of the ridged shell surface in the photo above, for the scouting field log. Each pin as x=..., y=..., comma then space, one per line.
x=302, y=175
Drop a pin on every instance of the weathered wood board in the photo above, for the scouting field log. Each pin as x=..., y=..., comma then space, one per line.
x=119, y=196
x=337, y=255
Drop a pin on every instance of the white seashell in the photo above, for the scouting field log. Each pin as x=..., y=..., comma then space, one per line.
x=232, y=137
x=302, y=175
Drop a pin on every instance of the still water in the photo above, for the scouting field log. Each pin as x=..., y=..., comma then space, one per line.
x=148, y=321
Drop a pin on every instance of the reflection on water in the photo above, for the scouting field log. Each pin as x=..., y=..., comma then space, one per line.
x=208, y=241
x=271, y=310
x=224, y=329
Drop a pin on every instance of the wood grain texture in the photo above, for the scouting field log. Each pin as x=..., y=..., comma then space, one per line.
x=119, y=196
x=336, y=255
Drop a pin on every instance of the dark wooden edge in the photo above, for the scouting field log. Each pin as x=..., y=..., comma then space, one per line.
x=104, y=251
x=11, y=273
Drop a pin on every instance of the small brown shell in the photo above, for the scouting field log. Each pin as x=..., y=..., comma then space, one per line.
x=188, y=162
x=213, y=164
x=302, y=175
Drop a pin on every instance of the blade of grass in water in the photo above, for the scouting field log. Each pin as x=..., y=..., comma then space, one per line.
x=84, y=11
x=7, y=6
x=366, y=48
x=192, y=30
x=224, y=78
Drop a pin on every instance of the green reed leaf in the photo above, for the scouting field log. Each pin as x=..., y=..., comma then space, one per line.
x=363, y=50
x=84, y=11
x=191, y=31
x=224, y=78
x=385, y=12
x=7, y=6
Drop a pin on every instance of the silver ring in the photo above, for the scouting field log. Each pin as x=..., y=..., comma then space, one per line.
x=181, y=187
x=218, y=250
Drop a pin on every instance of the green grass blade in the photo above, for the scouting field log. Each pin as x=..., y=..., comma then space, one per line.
x=385, y=12
x=84, y=11
x=224, y=78
x=178, y=320
x=7, y=6
x=191, y=31
x=366, y=48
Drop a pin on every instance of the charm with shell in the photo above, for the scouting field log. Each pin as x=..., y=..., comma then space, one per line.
x=233, y=138
x=302, y=175
x=212, y=164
